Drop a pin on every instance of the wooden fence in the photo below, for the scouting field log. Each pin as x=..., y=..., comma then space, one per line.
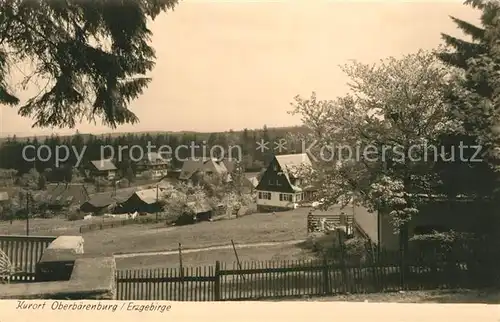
x=24, y=252
x=118, y=223
x=261, y=280
x=314, y=220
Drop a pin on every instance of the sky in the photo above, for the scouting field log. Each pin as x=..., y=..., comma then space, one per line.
x=238, y=64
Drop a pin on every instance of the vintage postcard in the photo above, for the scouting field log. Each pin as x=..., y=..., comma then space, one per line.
x=249, y=160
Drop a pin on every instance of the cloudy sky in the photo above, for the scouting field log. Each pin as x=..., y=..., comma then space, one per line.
x=238, y=64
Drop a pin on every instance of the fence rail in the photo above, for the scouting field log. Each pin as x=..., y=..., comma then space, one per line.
x=118, y=223
x=261, y=280
x=314, y=220
x=24, y=252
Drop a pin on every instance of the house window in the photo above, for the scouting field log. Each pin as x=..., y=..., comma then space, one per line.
x=271, y=183
x=285, y=197
x=278, y=183
x=265, y=195
x=298, y=197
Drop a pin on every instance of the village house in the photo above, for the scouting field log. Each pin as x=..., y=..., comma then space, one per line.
x=154, y=163
x=281, y=186
x=101, y=169
x=143, y=201
x=437, y=214
x=99, y=203
x=206, y=166
x=63, y=195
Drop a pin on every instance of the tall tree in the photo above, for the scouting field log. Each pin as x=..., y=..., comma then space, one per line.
x=376, y=144
x=474, y=106
x=95, y=55
x=459, y=52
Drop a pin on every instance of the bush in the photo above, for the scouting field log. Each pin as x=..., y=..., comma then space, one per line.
x=327, y=246
x=47, y=214
x=185, y=219
x=75, y=216
x=247, y=210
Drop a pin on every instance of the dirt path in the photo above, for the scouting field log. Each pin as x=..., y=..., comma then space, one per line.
x=197, y=250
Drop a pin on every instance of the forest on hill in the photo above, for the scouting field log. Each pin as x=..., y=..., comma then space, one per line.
x=11, y=149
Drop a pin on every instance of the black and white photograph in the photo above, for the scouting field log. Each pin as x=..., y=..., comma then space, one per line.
x=157, y=151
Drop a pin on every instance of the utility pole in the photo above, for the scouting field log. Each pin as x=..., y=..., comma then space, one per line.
x=27, y=214
x=157, y=203
x=181, y=271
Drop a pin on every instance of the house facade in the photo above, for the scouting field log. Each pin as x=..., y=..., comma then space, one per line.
x=437, y=215
x=102, y=169
x=281, y=186
x=154, y=163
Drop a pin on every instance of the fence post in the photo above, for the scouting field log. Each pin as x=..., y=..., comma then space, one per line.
x=217, y=282
x=372, y=263
x=343, y=267
x=402, y=268
x=326, y=278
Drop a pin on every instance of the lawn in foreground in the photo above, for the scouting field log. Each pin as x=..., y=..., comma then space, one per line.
x=282, y=226
x=208, y=258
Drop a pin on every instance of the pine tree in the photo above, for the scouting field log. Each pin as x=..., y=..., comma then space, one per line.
x=463, y=49
x=459, y=52
x=95, y=53
x=470, y=106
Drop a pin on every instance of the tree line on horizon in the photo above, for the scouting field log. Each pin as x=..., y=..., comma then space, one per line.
x=252, y=159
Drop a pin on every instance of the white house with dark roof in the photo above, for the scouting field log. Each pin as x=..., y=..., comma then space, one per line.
x=102, y=168
x=280, y=186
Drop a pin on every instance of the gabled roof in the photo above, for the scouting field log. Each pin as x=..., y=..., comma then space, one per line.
x=155, y=158
x=100, y=201
x=190, y=166
x=148, y=196
x=107, y=198
x=65, y=194
x=103, y=165
x=290, y=163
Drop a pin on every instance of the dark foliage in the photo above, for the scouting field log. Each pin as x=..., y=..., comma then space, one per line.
x=93, y=57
